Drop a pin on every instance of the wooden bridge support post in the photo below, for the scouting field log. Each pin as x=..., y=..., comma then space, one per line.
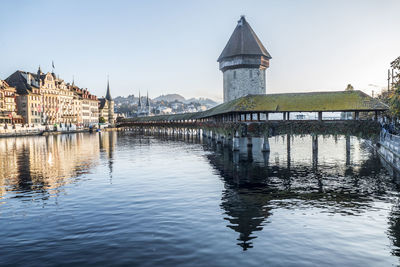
x=218, y=138
x=266, y=158
x=213, y=135
x=315, y=150
x=288, y=150
x=222, y=140
x=204, y=133
x=265, y=145
x=347, y=150
x=235, y=143
x=320, y=115
x=236, y=156
x=357, y=115
x=249, y=141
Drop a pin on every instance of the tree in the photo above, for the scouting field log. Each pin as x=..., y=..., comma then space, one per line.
x=394, y=98
x=349, y=87
x=396, y=72
x=394, y=101
x=102, y=120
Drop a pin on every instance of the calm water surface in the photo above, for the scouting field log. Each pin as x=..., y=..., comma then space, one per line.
x=124, y=199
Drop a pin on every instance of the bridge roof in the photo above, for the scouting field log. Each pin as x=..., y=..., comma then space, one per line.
x=302, y=102
x=334, y=101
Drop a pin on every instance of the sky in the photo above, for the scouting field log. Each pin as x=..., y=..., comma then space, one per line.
x=172, y=46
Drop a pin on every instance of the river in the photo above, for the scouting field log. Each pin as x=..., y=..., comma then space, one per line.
x=119, y=198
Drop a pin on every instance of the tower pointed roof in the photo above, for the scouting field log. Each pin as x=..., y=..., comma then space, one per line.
x=147, y=100
x=243, y=41
x=108, y=95
x=140, y=101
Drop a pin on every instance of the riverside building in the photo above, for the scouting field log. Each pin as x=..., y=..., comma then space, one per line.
x=8, y=106
x=44, y=98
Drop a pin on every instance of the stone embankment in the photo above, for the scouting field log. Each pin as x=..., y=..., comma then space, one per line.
x=8, y=130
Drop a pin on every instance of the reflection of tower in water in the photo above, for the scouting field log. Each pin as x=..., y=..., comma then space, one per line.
x=244, y=200
x=107, y=141
x=253, y=188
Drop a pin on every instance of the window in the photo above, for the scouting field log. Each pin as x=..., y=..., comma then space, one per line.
x=251, y=74
x=234, y=74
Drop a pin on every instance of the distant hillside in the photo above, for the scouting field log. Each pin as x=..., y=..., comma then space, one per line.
x=166, y=99
x=170, y=98
x=202, y=101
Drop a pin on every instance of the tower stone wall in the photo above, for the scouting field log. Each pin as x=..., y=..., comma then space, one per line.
x=243, y=81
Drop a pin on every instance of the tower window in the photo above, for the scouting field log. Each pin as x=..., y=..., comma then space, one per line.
x=234, y=74
x=251, y=74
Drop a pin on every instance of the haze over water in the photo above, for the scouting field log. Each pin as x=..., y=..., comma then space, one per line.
x=121, y=198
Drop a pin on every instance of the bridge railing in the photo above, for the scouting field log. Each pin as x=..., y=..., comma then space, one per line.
x=391, y=141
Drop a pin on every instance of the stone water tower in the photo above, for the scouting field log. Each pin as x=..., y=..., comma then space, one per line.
x=243, y=62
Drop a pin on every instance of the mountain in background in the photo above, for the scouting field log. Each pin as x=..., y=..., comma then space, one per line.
x=174, y=101
x=170, y=98
x=202, y=101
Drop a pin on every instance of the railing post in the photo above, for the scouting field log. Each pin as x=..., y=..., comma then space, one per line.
x=320, y=115
x=357, y=115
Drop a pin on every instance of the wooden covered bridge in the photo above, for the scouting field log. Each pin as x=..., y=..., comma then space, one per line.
x=272, y=114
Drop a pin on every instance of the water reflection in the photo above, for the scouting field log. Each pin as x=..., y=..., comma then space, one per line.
x=331, y=175
x=39, y=166
x=107, y=143
x=256, y=183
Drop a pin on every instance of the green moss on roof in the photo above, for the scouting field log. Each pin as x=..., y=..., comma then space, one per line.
x=302, y=102
x=292, y=102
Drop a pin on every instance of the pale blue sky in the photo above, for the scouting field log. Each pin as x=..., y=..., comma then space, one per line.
x=172, y=46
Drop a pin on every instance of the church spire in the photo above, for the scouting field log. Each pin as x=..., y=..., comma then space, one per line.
x=140, y=101
x=147, y=100
x=108, y=95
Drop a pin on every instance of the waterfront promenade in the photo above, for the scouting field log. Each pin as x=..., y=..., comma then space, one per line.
x=14, y=130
